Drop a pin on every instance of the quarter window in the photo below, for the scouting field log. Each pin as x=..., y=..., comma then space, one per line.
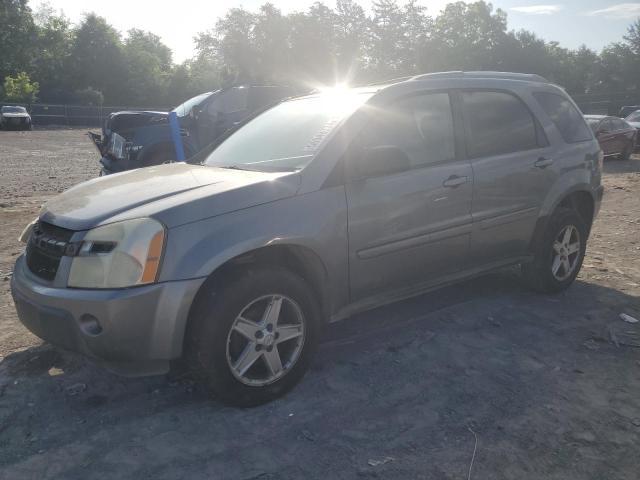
x=420, y=125
x=567, y=119
x=497, y=123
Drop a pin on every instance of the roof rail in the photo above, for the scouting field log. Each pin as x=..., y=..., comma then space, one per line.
x=389, y=81
x=531, y=77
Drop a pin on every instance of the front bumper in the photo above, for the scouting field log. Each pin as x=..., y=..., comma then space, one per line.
x=140, y=329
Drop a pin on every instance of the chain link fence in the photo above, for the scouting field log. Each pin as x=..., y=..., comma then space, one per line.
x=90, y=116
x=606, y=103
x=74, y=115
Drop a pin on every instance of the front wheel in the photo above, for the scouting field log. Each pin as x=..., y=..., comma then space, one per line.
x=250, y=339
x=558, y=256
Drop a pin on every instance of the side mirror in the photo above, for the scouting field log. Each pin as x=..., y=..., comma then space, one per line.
x=378, y=162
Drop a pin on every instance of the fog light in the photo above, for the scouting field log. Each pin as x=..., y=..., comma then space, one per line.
x=90, y=325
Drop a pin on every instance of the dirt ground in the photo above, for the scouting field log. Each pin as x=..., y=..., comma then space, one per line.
x=548, y=386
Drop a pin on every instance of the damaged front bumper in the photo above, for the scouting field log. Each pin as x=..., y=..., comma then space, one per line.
x=114, y=151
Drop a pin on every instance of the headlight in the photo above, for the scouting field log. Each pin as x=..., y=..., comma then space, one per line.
x=119, y=255
x=26, y=233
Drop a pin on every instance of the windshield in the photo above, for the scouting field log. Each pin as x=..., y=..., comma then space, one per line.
x=287, y=136
x=13, y=110
x=634, y=117
x=184, y=108
x=593, y=123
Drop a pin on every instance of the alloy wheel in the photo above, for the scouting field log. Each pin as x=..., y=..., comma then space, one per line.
x=566, y=253
x=265, y=340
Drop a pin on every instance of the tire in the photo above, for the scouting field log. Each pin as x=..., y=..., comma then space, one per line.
x=539, y=274
x=626, y=153
x=214, y=344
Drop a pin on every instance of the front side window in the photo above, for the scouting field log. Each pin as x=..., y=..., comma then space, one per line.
x=184, y=109
x=230, y=101
x=497, y=123
x=287, y=136
x=421, y=126
x=567, y=119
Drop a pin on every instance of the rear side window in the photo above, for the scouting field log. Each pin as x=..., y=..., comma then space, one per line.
x=497, y=123
x=233, y=100
x=567, y=119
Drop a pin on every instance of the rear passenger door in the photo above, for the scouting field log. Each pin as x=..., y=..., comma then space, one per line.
x=513, y=171
x=412, y=226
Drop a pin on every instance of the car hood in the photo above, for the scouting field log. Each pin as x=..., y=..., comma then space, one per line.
x=14, y=115
x=127, y=120
x=634, y=124
x=175, y=193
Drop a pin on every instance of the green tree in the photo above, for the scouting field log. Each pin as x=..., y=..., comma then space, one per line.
x=313, y=54
x=230, y=43
x=17, y=37
x=148, y=67
x=53, y=46
x=351, y=27
x=89, y=96
x=632, y=38
x=467, y=37
x=20, y=88
x=97, y=59
x=386, y=40
x=269, y=37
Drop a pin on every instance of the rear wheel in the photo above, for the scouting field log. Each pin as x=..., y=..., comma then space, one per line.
x=559, y=254
x=251, y=339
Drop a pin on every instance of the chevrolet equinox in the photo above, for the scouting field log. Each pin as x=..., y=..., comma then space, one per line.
x=320, y=207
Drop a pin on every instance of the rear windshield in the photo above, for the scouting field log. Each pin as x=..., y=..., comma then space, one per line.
x=288, y=135
x=567, y=119
x=13, y=110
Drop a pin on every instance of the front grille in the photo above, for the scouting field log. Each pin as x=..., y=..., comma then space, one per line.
x=45, y=248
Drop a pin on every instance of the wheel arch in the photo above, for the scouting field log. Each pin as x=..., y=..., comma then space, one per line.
x=299, y=259
x=579, y=199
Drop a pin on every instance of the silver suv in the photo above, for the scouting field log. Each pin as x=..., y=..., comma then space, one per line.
x=318, y=208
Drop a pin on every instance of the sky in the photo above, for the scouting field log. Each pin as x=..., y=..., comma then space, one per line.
x=572, y=23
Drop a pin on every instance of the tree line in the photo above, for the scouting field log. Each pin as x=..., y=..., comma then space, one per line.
x=44, y=57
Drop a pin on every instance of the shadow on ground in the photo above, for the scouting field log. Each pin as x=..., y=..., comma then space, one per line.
x=398, y=392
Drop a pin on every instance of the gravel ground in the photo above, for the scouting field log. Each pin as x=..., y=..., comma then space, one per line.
x=482, y=380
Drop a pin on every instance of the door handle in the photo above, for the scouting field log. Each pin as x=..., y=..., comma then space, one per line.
x=543, y=162
x=454, y=181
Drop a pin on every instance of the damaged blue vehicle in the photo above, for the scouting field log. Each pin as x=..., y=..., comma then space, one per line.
x=135, y=139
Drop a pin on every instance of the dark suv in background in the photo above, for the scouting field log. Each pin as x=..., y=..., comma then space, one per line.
x=134, y=139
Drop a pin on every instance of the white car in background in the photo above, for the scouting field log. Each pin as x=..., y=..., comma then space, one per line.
x=15, y=118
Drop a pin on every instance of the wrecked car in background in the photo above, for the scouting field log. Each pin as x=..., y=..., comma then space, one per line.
x=15, y=118
x=134, y=139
